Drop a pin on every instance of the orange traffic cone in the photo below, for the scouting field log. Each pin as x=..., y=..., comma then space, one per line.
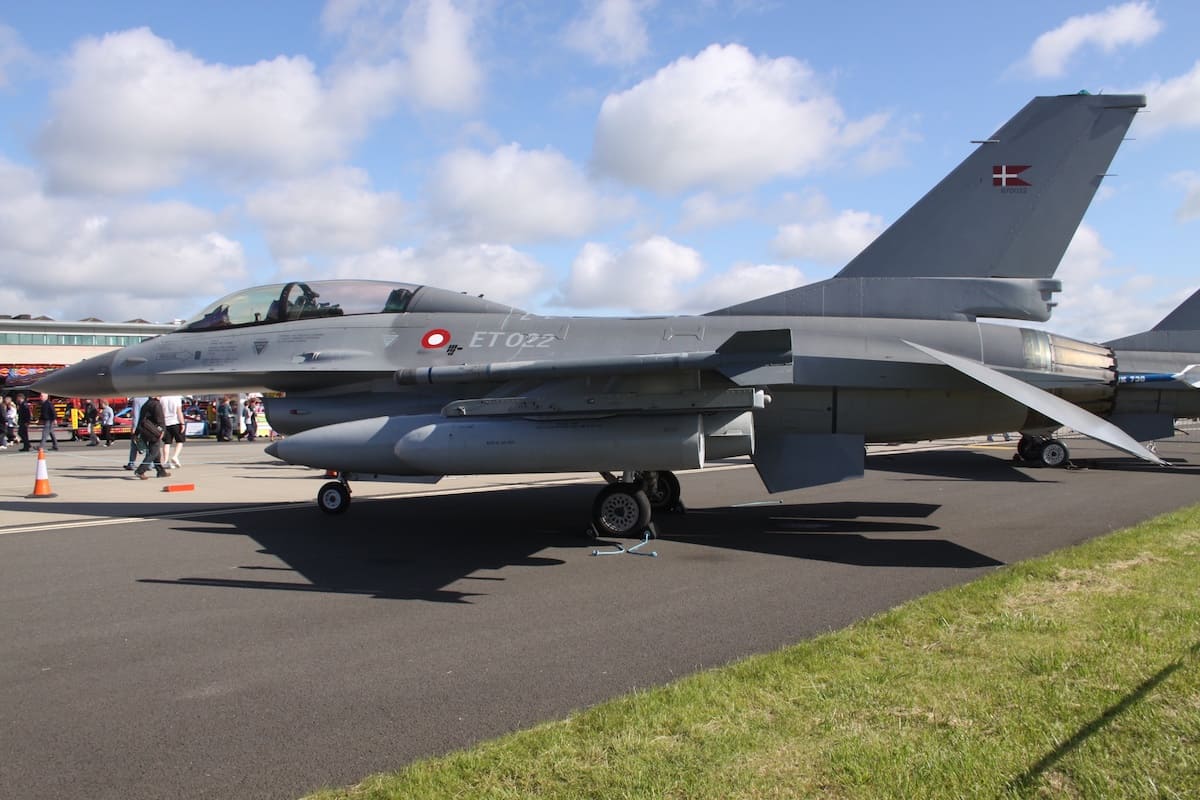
x=41, y=483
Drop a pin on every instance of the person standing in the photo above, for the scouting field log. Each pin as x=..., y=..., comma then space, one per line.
x=24, y=417
x=174, y=435
x=106, y=422
x=49, y=420
x=10, y=422
x=151, y=425
x=224, y=421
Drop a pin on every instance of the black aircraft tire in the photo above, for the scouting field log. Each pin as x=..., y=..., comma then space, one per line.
x=1054, y=454
x=620, y=509
x=334, y=498
x=665, y=495
x=1029, y=448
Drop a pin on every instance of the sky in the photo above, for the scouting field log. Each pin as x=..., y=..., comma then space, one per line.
x=620, y=157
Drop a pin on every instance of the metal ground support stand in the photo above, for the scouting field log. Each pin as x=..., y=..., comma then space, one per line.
x=635, y=550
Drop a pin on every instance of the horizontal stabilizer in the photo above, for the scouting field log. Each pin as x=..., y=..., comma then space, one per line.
x=787, y=461
x=1052, y=406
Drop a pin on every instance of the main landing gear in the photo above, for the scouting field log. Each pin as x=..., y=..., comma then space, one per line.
x=624, y=507
x=1043, y=450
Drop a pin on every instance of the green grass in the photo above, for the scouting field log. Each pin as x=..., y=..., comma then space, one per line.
x=1073, y=675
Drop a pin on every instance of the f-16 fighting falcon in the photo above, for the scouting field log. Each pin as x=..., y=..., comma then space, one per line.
x=395, y=379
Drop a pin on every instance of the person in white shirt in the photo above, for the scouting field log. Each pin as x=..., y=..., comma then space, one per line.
x=175, y=432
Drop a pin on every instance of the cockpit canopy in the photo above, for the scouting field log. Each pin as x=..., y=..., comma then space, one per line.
x=296, y=300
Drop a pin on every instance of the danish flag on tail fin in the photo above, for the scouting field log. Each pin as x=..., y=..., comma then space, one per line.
x=1006, y=174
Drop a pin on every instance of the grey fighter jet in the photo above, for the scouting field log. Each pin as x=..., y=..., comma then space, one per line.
x=1160, y=374
x=393, y=379
x=1158, y=384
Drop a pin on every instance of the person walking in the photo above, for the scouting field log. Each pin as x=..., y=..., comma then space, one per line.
x=135, y=415
x=10, y=423
x=174, y=434
x=224, y=421
x=49, y=420
x=91, y=416
x=106, y=422
x=24, y=417
x=150, y=428
x=250, y=416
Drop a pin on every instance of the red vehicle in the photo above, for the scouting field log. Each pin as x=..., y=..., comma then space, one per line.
x=122, y=425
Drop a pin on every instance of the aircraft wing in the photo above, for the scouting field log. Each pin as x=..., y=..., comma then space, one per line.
x=1044, y=402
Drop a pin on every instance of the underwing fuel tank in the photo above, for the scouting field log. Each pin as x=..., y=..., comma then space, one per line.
x=435, y=445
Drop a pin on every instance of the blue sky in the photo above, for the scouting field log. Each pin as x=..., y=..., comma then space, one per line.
x=607, y=157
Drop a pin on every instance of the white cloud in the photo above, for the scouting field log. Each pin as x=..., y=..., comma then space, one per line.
x=136, y=113
x=12, y=52
x=830, y=240
x=498, y=272
x=427, y=41
x=1172, y=104
x=517, y=195
x=649, y=277
x=709, y=210
x=1115, y=26
x=611, y=32
x=741, y=283
x=168, y=218
x=1190, y=183
x=334, y=212
x=723, y=119
x=69, y=259
x=1095, y=302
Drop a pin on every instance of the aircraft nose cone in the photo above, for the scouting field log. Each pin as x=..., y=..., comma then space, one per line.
x=89, y=378
x=273, y=449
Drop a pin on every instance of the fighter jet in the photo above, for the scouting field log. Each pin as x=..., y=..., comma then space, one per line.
x=395, y=379
x=1160, y=374
x=1157, y=385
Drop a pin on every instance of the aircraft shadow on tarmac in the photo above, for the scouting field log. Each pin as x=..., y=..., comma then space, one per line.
x=417, y=548
x=404, y=549
x=960, y=465
x=834, y=532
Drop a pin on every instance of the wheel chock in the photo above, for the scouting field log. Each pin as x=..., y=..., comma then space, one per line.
x=179, y=487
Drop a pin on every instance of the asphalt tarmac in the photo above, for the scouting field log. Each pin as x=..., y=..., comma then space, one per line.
x=231, y=641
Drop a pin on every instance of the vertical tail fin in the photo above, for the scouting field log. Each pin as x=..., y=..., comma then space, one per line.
x=1186, y=317
x=1010, y=209
x=1178, y=333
